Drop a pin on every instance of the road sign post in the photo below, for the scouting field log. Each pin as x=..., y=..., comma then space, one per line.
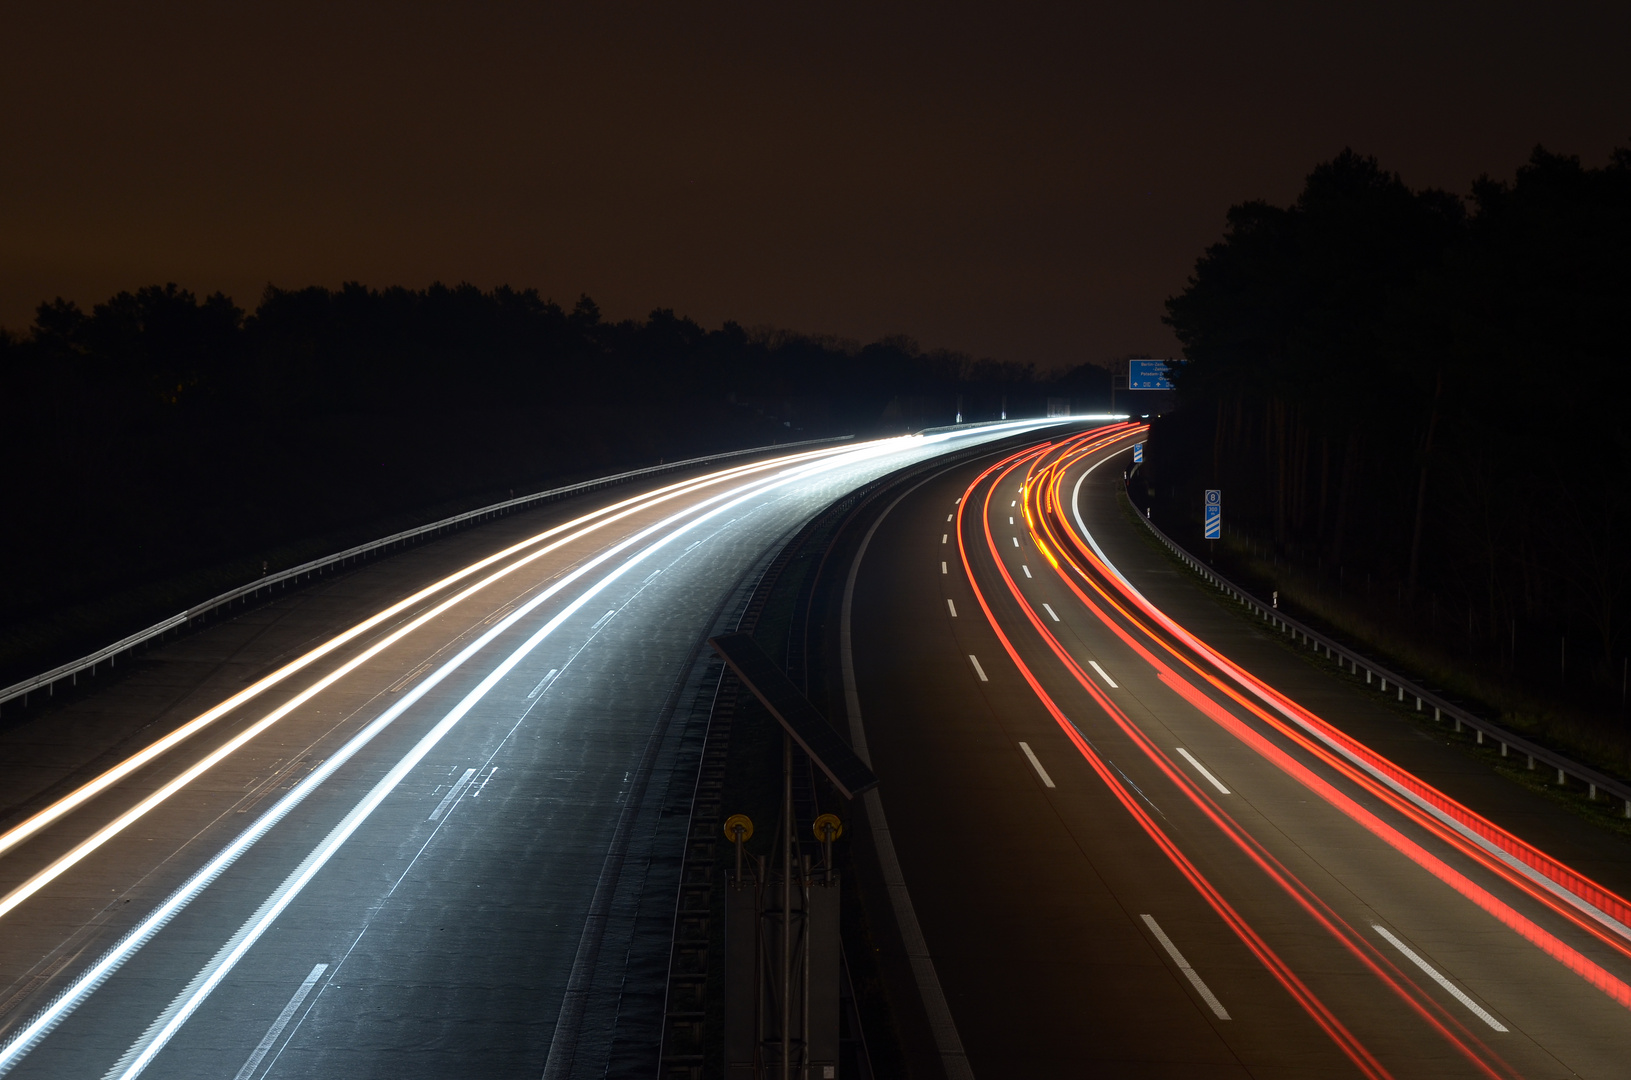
x=1214, y=513
x=1138, y=453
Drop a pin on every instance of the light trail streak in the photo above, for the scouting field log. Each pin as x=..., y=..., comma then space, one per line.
x=100, y=837
x=22, y=1041
x=1317, y=1011
x=1430, y=809
x=39, y=820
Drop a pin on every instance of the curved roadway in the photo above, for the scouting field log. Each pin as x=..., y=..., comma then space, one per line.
x=1131, y=856
x=391, y=855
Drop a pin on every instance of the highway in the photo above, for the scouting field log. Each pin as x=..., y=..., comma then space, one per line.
x=1143, y=838
x=395, y=850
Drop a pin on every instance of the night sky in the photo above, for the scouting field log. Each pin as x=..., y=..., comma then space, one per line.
x=1027, y=182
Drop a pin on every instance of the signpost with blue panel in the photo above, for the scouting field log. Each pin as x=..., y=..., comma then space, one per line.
x=1147, y=375
x=1138, y=452
x=1214, y=513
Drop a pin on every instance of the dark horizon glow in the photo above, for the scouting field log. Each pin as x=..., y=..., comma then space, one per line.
x=1028, y=183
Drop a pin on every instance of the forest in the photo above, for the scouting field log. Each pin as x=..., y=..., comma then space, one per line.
x=1414, y=405
x=162, y=447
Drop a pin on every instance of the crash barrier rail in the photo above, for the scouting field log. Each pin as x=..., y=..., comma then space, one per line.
x=1387, y=681
x=71, y=671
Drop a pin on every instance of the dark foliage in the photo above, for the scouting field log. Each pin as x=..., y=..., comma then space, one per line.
x=1418, y=400
x=159, y=433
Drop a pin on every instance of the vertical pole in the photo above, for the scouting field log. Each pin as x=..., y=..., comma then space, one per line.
x=787, y=905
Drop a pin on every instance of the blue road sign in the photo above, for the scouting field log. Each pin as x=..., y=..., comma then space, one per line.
x=1214, y=513
x=1138, y=452
x=1147, y=375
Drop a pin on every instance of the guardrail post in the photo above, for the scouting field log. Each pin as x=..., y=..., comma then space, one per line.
x=1503, y=749
x=1480, y=734
x=1561, y=779
x=1591, y=792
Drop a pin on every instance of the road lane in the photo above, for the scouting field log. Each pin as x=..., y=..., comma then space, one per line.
x=1307, y=884
x=445, y=935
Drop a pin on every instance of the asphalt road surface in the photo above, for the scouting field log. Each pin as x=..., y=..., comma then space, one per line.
x=392, y=852
x=1131, y=856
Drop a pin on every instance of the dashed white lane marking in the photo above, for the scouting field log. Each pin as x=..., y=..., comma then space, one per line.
x=943, y=567
x=1014, y=503
x=453, y=794
x=1010, y=519
x=543, y=683
x=951, y=607
x=978, y=670
x=1051, y=613
x=1047, y=781
x=1025, y=568
x=280, y=1023
x=603, y=620
x=1202, y=769
x=948, y=517
x=1183, y=965
x=1454, y=990
x=943, y=537
x=1103, y=674
x=1015, y=539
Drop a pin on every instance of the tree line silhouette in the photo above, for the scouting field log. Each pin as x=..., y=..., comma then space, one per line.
x=160, y=437
x=1418, y=402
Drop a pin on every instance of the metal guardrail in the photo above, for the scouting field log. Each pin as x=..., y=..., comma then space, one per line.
x=109, y=654
x=1388, y=681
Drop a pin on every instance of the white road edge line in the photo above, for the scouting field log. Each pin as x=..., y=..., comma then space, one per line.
x=1051, y=613
x=1103, y=674
x=942, y=1025
x=978, y=670
x=1454, y=990
x=1183, y=965
x=952, y=607
x=1202, y=769
x=280, y=1023
x=1047, y=781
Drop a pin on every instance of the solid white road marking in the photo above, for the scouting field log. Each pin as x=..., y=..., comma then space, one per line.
x=951, y=607
x=477, y=793
x=1103, y=674
x=1183, y=965
x=1202, y=769
x=452, y=794
x=1047, y=781
x=543, y=683
x=1050, y=612
x=280, y=1023
x=943, y=567
x=1025, y=568
x=978, y=670
x=603, y=620
x=1455, y=991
